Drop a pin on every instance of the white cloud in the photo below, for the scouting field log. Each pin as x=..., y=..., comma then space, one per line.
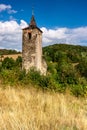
x=65, y=35
x=4, y=7
x=8, y=8
x=11, y=35
x=12, y=11
x=23, y=24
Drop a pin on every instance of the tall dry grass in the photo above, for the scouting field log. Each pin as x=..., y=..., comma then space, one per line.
x=31, y=109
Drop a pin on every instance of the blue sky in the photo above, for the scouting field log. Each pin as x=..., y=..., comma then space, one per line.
x=62, y=21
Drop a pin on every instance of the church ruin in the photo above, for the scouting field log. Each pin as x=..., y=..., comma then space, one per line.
x=32, y=48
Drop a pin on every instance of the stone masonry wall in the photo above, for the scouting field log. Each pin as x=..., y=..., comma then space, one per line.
x=32, y=50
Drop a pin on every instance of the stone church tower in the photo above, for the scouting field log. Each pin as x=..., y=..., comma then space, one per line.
x=32, y=48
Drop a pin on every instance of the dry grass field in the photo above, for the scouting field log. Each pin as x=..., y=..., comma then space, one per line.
x=14, y=56
x=32, y=109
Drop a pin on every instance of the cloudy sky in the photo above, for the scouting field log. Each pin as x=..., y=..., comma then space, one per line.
x=62, y=21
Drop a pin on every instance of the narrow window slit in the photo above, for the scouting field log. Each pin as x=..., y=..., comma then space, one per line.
x=29, y=35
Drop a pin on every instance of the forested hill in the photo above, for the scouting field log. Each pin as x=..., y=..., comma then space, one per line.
x=67, y=64
x=7, y=52
x=69, y=53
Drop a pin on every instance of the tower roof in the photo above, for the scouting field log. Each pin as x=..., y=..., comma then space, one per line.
x=32, y=22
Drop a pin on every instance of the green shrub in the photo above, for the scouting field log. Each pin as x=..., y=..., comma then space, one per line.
x=78, y=90
x=21, y=75
x=18, y=61
x=8, y=63
x=9, y=76
x=34, y=76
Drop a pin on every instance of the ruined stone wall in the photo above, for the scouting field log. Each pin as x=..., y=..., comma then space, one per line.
x=28, y=49
x=32, y=50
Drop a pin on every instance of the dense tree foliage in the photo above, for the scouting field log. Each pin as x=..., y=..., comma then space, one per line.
x=67, y=70
x=67, y=64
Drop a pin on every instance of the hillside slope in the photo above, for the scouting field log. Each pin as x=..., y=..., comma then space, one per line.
x=67, y=63
x=32, y=109
x=69, y=53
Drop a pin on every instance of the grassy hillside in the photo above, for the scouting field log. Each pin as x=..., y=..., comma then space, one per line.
x=32, y=109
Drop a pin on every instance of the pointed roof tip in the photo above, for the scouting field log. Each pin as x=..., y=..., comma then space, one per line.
x=33, y=25
x=33, y=22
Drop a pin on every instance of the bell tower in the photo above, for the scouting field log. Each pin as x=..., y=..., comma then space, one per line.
x=32, y=48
